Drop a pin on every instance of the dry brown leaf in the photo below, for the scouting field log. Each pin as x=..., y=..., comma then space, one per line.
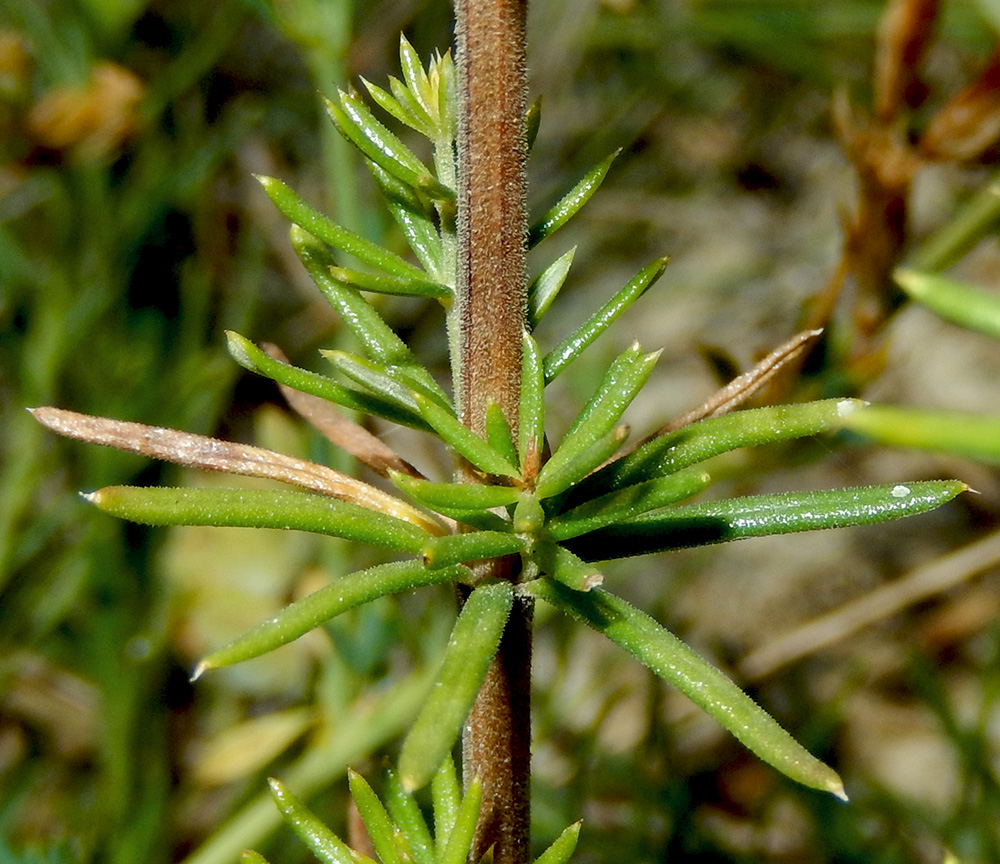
x=905, y=32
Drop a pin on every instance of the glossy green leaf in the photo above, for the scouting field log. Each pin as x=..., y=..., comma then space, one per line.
x=470, y=650
x=380, y=829
x=707, y=438
x=446, y=798
x=573, y=345
x=383, y=284
x=571, y=203
x=373, y=377
x=459, y=846
x=498, y=434
x=401, y=105
x=414, y=220
x=627, y=503
x=409, y=818
x=416, y=78
x=470, y=546
x=760, y=515
x=529, y=515
x=531, y=426
x=341, y=595
x=319, y=226
x=614, y=394
x=696, y=678
x=544, y=290
x=322, y=842
x=954, y=301
x=562, y=847
x=462, y=439
x=974, y=436
x=562, y=565
x=359, y=126
x=249, y=356
x=449, y=497
x=258, y=508
x=532, y=122
x=567, y=471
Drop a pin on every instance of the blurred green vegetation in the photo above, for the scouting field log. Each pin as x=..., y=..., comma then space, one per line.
x=132, y=235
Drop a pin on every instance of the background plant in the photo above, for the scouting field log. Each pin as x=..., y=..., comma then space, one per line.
x=639, y=23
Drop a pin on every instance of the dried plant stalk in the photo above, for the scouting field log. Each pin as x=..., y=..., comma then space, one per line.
x=211, y=454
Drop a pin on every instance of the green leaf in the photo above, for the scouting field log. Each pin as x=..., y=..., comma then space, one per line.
x=573, y=345
x=322, y=842
x=707, y=438
x=258, y=508
x=697, y=679
x=248, y=856
x=531, y=426
x=249, y=356
x=408, y=817
x=451, y=497
x=562, y=565
x=470, y=546
x=627, y=503
x=562, y=847
x=414, y=220
x=973, y=436
x=359, y=126
x=759, y=515
x=446, y=798
x=564, y=473
x=470, y=650
x=382, y=284
x=403, y=107
x=375, y=377
x=954, y=301
x=543, y=291
x=416, y=78
x=532, y=122
x=315, y=223
x=462, y=439
x=571, y=203
x=498, y=434
x=459, y=846
x=377, y=822
x=344, y=593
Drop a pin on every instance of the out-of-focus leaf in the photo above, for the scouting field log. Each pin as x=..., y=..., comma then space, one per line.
x=954, y=301
x=322, y=842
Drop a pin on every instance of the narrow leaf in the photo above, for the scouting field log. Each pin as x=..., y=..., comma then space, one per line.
x=470, y=650
x=315, y=223
x=760, y=515
x=249, y=356
x=346, y=592
x=708, y=438
x=257, y=508
x=697, y=679
x=571, y=203
x=498, y=434
x=531, y=426
x=626, y=503
x=562, y=565
x=562, y=847
x=248, y=856
x=471, y=546
x=414, y=221
x=416, y=78
x=392, y=382
x=380, y=828
x=383, y=284
x=567, y=471
x=973, y=436
x=459, y=846
x=954, y=301
x=446, y=798
x=532, y=122
x=407, y=815
x=462, y=439
x=573, y=345
x=404, y=110
x=448, y=497
x=322, y=842
x=544, y=290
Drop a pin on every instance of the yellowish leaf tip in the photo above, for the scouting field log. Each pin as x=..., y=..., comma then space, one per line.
x=91, y=497
x=199, y=670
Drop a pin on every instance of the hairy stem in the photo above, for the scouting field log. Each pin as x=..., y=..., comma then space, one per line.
x=492, y=228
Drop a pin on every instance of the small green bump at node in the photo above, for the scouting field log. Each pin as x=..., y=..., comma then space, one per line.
x=529, y=517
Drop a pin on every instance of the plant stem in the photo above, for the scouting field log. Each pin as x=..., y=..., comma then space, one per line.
x=491, y=290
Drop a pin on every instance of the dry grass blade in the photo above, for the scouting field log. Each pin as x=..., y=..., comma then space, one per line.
x=341, y=431
x=199, y=451
x=940, y=575
x=737, y=391
x=905, y=32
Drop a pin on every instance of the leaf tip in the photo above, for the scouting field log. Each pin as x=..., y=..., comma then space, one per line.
x=92, y=497
x=199, y=670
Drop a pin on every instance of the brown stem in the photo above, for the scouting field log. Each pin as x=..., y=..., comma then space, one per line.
x=496, y=745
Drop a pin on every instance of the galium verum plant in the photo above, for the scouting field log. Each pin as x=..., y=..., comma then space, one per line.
x=551, y=511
